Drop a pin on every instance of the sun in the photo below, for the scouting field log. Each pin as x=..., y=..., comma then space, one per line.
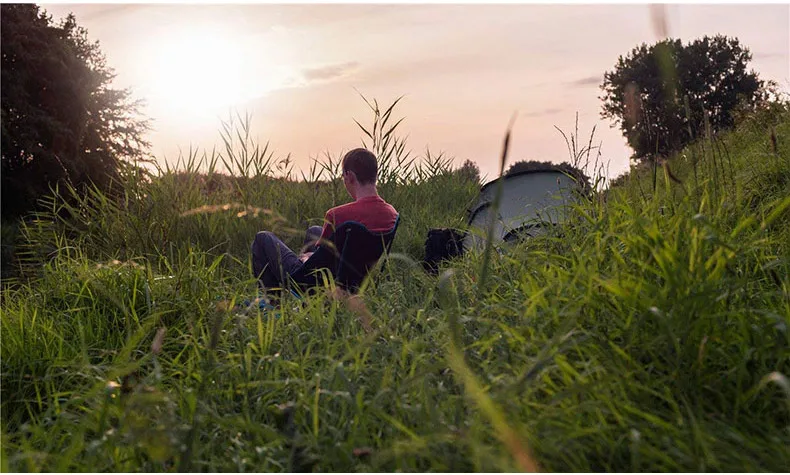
x=199, y=72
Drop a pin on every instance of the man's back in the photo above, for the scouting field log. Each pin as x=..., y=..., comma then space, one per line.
x=371, y=211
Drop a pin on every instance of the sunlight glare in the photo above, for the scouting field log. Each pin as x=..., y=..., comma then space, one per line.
x=201, y=72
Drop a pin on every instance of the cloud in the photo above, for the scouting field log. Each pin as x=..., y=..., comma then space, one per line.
x=544, y=112
x=768, y=55
x=91, y=12
x=328, y=72
x=586, y=81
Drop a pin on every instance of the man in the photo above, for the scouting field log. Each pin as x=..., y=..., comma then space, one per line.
x=273, y=261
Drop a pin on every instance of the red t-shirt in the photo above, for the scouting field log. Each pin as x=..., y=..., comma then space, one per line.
x=372, y=211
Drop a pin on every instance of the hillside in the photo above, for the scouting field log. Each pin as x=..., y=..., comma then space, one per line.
x=650, y=335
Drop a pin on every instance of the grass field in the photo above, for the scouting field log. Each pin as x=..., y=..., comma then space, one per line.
x=649, y=334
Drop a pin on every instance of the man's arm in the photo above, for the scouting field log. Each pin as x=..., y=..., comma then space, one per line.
x=329, y=225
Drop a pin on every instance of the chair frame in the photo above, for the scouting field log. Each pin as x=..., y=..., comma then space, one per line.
x=339, y=264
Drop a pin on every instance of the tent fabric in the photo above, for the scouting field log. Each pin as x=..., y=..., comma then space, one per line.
x=531, y=200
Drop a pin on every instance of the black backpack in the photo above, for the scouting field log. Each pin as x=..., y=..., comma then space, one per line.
x=441, y=244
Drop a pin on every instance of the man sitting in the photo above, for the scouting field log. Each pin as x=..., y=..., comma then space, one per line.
x=273, y=261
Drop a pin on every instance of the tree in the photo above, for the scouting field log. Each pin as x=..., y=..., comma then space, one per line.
x=61, y=120
x=533, y=165
x=662, y=96
x=530, y=166
x=469, y=171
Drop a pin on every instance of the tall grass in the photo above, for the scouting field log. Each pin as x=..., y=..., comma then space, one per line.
x=650, y=334
x=195, y=204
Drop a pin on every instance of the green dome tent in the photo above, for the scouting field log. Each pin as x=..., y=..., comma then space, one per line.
x=531, y=201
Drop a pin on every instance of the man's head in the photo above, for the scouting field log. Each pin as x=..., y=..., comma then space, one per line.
x=359, y=171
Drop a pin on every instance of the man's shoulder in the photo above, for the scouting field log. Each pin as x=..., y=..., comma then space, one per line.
x=339, y=208
x=351, y=210
x=380, y=205
x=340, y=212
x=389, y=206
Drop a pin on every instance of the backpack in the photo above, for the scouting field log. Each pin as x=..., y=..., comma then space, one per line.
x=442, y=244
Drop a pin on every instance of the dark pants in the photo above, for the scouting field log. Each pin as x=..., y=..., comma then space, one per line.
x=273, y=261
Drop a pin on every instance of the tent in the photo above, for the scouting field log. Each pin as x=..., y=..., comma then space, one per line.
x=531, y=201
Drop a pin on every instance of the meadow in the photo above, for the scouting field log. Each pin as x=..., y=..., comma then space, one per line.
x=650, y=333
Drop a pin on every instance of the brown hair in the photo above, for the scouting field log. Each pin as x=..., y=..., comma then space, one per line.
x=363, y=163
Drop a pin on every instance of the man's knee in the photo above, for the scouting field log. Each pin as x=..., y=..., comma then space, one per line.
x=262, y=237
x=311, y=238
x=312, y=234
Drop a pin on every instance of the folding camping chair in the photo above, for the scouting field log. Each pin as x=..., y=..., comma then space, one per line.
x=349, y=255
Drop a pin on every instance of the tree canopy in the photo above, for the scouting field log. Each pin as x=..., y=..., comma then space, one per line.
x=61, y=119
x=664, y=95
x=469, y=171
x=534, y=165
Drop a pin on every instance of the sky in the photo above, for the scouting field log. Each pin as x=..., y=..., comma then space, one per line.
x=463, y=69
